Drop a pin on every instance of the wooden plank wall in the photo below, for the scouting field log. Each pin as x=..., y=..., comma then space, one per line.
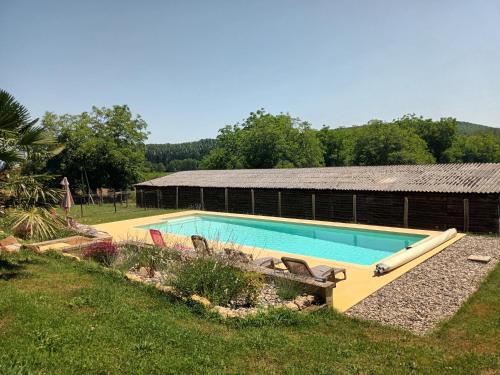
x=425, y=210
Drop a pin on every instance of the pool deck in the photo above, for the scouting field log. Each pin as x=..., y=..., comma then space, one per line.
x=360, y=282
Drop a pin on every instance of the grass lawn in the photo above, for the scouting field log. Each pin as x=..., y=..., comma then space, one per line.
x=61, y=316
x=95, y=214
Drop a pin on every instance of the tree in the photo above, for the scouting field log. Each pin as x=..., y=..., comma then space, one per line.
x=106, y=144
x=480, y=148
x=266, y=141
x=386, y=144
x=438, y=135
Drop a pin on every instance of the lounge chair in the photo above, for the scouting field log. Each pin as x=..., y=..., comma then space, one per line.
x=267, y=262
x=200, y=244
x=157, y=238
x=320, y=273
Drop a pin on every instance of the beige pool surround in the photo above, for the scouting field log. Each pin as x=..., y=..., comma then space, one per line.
x=360, y=282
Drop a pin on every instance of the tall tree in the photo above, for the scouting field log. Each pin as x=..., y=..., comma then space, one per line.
x=479, y=148
x=386, y=144
x=106, y=144
x=266, y=141
x=438, y=135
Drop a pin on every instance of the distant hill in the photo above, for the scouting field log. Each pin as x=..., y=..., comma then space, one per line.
x=469, y=128
x=172, y=157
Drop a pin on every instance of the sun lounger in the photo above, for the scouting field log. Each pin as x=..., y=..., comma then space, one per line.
x=321, y=273
x=157, y=238
x=200, y=244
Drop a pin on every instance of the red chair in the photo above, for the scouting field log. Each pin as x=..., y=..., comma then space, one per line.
x=157, y=238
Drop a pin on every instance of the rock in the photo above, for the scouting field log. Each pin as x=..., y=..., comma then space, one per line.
x=11, y=248
x=133, y=277
x=225, y=312
x=9, y=243
x=202, y=301
x=304, y=301
x=143, y=271
x=291, y=306
x=71, y=256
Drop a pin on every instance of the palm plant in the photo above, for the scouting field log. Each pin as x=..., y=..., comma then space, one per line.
x=30, y=201
x=19, y=134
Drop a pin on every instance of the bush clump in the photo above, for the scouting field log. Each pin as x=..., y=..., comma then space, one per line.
x=288, y=289
x=101, y=252
x=153, y=258
x=219, y=282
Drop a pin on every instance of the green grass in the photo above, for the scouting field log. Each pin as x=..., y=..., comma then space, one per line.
x=59, y=316
x=95, y=214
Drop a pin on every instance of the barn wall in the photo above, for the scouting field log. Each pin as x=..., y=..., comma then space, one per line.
x=425, y=210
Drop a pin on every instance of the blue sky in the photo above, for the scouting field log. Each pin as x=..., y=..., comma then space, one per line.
x=191, y=67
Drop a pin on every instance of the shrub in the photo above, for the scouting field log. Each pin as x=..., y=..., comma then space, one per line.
x=288, y=289
x=151, y=257
x=101, y=252
x=221, y=283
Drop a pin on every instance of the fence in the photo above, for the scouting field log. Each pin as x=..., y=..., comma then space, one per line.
x=466, y=212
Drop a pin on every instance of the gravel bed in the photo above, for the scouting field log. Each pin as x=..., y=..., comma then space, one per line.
x=432, y=291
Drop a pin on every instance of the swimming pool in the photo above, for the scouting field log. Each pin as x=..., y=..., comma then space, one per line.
x=358, y=246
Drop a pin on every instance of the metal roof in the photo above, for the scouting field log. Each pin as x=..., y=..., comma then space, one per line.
x=443, y=178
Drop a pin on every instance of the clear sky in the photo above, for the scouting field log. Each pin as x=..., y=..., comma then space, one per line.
x=190, y=67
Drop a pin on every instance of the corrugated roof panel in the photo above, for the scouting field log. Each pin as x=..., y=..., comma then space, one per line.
x=445, y=178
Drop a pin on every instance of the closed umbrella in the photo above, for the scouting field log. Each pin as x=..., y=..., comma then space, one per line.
x=67, y=199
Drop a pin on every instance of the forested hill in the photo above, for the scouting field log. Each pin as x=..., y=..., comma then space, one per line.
x=469, y=128
x=171, y=157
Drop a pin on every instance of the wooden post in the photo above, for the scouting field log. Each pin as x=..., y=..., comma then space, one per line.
x=329, y=298
x=252, y=192
x=405, y=213
x=114, y=200
x=158, y=198
x=202, y=200
x=142, y=198
x=177, y=197
x=226, y=199
x=466, y=215
x=313, y=203
x=279, y=203
x=354, y=213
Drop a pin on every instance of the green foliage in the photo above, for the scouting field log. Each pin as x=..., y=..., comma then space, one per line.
x=483, y=148
x=34, y=223
x=385, y=144
x=221, y=283
x=438, y=135
x=185, y=156
x=20, y=136
x=25, y=191
x=469, y=128
x=266, y=141
x=152, y=258
x=107, y=142
x=288, y=289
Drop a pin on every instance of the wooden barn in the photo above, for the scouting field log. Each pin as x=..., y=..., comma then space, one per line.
x=439, y=196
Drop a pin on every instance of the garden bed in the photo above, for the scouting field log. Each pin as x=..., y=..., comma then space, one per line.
x=217, y=283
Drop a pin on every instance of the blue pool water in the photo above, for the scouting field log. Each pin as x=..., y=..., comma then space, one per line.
x=357, y=246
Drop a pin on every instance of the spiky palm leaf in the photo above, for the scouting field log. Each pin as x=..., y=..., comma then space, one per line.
x=19, y=135
x=35, y=223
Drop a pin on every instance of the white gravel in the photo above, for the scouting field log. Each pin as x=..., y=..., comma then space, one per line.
x=434, y=290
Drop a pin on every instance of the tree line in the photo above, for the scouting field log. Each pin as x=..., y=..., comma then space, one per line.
x=173, y=157
x=106, y=147
x=264, y=140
